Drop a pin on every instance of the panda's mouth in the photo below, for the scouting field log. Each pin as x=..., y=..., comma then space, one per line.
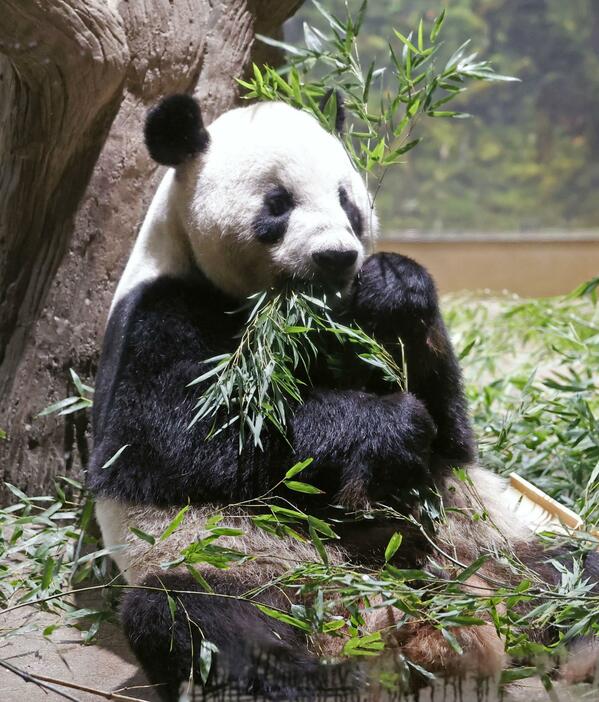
x=335, y=266
x=330, y=270
x=318, y=283
x=334, y=285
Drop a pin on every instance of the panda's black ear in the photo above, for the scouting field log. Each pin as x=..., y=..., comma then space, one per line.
x=340, y=107
x=174, y=131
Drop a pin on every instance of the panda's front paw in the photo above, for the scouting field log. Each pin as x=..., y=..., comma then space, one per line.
x=395, y=456
x=393, y=288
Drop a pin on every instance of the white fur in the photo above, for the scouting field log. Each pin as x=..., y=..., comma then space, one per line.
x=162, y=247
x=252, y=150
x=203, y=212
x=271, y=556
x=482, y=516
x=113, y=521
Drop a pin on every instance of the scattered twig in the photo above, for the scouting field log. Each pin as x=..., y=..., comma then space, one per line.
x=29, y=678
x=47, y=683
x=220, y=595
x=85, y=688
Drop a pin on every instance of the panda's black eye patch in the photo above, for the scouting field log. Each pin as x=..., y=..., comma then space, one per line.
x=352, y=211
x=279, y=201
x=270, y=224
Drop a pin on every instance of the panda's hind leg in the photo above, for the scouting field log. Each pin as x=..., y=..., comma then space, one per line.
x=482, y=654
x=168, y=617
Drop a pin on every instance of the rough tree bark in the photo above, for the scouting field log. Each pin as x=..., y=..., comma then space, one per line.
x=76, y=77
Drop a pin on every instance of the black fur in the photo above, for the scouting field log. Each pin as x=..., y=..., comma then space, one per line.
x=353, y=212
x=363, y=437
x=340, y=107
x=174, y=131
x=591, y=569
x=395, y=298
x=152, y=350
x=271, y=222
x=365, y=443
x=256, y=654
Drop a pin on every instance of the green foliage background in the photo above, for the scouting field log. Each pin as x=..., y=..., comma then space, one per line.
x=529, y=157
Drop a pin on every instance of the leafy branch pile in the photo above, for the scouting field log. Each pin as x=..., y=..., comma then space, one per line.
x=555, y=414
x=531, y=371
x=536, y=410
x=259, y=381
x=381, y=121
x=338, y=597
x=47, y=550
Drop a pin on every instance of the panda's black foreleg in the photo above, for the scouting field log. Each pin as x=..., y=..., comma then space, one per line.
x=169, y=619
x=395, y=298
x=364, y=446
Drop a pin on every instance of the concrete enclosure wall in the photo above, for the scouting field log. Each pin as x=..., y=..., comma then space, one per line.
x=530, y=268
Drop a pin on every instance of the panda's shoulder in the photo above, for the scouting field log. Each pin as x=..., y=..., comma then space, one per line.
x=156, y=325
x=166, y=301
x=173, y=295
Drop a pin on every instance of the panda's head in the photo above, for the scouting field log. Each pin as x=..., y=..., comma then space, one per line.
x=264, y=195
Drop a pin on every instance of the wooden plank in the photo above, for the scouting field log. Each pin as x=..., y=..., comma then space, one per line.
x=563, y=514
x=540, y=511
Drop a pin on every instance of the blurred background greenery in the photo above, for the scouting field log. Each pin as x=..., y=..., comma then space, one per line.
x=528, y=159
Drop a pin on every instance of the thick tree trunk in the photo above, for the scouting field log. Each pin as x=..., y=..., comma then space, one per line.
x=76, y=78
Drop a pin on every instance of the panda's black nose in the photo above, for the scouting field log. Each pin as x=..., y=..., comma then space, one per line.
x=335, y=262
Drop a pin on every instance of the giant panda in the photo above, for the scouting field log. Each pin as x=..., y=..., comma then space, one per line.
x=265, y=196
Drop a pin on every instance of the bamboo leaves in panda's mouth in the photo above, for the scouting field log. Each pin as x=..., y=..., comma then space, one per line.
x=263, y=378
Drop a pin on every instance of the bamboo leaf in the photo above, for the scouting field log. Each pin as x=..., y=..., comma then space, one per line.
x=57, y=406
x=318, y=545
x=472, y=568
x=406, y=41
x=199, y=578
x=284, y=46
x=438, y=24
x=143, y=535
x=313, y=41
x=114, y=458
x=207, y=649
x=334, y=23
x=297, y=468
x=452, y=641
x=83, y=403
x=47, y=573
x=297, y=486
x=175, y=523
x=393, y=546
x=285, y=618
x=515, y=674
x=370, y=645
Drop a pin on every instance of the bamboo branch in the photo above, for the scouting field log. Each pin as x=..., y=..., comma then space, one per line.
x=48, y=683
x=28, y=677
x=84, y=688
